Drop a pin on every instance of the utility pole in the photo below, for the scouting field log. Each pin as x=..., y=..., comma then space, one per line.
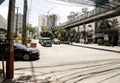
x=24, y=40
x=10, y=41
x=16, y=21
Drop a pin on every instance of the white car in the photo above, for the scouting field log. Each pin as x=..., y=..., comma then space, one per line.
x=56, y=41
x=81, y=40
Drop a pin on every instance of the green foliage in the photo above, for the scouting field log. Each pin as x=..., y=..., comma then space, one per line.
x=46, y=34
x=89, y=25
x=100, y=41
x=29, y=40
x=61, y=34
x=103, y=25
x=31, y=29
x=114, y=23
x=28, y=28
x=19, y=38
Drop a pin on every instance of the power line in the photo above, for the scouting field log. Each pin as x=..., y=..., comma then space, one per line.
x=69, y=4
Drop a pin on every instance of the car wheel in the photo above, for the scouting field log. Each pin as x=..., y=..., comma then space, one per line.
x=26, y=57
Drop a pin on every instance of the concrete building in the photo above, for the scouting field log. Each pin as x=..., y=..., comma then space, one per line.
x=18, y=21
x=3, y=22
x=42, y=23
x=45, y=22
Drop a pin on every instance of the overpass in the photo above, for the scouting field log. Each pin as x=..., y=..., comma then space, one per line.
x=108, y=10
x=89, y=17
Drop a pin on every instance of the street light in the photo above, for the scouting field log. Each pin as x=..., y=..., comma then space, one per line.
x=16, y=21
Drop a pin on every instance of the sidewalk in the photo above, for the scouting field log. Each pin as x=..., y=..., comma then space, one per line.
x=99, y=47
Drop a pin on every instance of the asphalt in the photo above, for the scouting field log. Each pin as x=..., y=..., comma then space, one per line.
x=115, y=49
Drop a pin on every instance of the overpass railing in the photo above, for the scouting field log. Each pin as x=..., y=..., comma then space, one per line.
x=91, y=13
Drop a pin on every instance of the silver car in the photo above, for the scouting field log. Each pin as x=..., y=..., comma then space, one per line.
x=56, y=41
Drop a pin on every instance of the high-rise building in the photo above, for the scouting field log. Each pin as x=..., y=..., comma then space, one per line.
x=42, y=22
x=17, y=21
x=46, y=22
x=51, y=21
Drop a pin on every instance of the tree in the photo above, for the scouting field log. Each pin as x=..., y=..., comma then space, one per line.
x=72, y=35
x=114, y=31
x=103, y=26
x=31, y=30
x=114, y=23
x=46, y=34
x=61, y=34
x=109, y=27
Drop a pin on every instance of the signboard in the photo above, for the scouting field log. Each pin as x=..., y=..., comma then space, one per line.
x=1, y=1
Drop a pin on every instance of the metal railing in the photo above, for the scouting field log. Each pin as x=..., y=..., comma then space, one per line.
x=94, y=12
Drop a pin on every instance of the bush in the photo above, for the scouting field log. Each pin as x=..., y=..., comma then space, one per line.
x=100, y=41
x=29, y=40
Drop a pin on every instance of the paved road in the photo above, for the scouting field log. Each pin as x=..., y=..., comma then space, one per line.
x=70, y=64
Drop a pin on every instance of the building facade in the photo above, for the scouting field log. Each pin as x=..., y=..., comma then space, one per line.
x=18, y=19
x=3, y=23
x=46, y=22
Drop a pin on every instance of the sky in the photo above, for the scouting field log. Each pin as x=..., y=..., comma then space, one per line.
x=41, y=7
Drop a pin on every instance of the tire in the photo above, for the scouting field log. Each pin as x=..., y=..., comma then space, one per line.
x=26, y=57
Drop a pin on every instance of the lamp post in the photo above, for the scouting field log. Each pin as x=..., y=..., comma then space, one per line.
x=16, y=22
x=24, y=40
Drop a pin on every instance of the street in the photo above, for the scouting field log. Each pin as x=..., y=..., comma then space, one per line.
x=69, y=64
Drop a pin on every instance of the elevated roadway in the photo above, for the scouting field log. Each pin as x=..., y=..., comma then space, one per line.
x=90, y=17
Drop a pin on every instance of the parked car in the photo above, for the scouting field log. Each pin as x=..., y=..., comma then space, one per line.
x=56, y=41
x=81, y=40
x=21, y=52
x=47, y=42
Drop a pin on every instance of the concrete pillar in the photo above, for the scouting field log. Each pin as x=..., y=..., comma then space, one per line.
x=119, y=37
x=79, y=33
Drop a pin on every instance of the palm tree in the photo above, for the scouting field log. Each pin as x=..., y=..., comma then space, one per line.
x=31, y=30
x=72, y=34
x=114, y=32
x=109, y=27
x=103, y=26
x=114, y=23
x=60, y=33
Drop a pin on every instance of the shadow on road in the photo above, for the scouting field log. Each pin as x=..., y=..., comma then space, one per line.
x=67, y=72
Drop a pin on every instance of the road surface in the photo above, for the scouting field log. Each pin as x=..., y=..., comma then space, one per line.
x=69, y=64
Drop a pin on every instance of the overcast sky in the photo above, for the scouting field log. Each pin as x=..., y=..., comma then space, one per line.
x=41, y=7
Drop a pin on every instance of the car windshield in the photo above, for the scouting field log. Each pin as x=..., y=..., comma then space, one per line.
x=20, y=46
